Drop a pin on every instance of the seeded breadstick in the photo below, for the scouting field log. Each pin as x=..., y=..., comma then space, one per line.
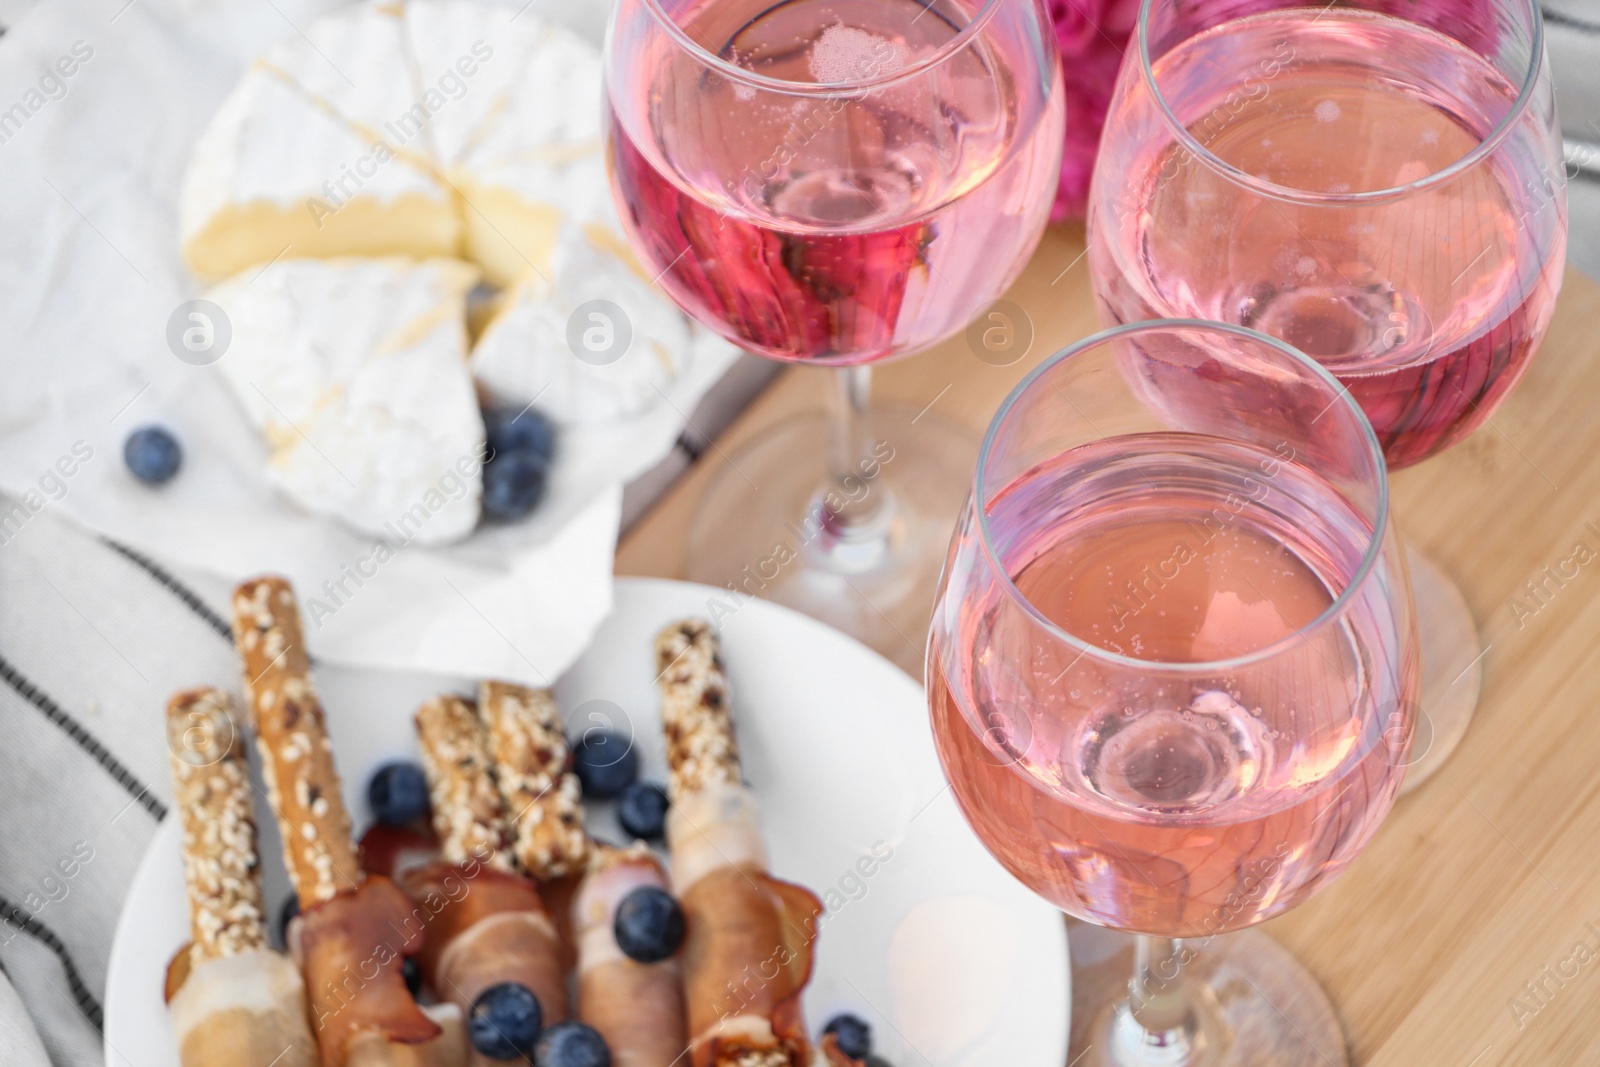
x=296, y=756
x=211, y=788
x=529, y=745
x=740, y=920
x=701, y=749
x=468, y=812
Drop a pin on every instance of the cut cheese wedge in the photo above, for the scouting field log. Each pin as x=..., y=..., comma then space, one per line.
x=355, y=371
x=536, y=161
x=472, y=55
x=277, y=174
x=355, y=63
x=596, y=343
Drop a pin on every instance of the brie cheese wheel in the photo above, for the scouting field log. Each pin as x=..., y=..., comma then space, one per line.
x=546, y=349
x=277, y=173
x=355, y=371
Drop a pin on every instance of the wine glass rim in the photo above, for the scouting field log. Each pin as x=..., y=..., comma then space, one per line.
x=739, y=74
x=1289, y=194
x=1332, y=612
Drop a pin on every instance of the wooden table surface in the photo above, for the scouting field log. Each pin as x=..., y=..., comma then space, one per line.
x=1468, y=934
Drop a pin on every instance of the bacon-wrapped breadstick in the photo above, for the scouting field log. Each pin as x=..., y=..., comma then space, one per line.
x=234, y=1002
x=485, y=923
x=747, y=953
x=353, y=928
x=529, y=744
x=636, y=1007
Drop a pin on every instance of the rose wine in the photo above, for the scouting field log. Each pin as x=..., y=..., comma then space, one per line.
x=1426, y=304
x=835, y=228
x=1181, y=802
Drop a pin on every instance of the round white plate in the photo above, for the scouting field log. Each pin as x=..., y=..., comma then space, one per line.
x=952, y=961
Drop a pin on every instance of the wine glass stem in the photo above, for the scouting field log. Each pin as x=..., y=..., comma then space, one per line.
x=1158, y=1024
x=852, y=397
x=856, y=508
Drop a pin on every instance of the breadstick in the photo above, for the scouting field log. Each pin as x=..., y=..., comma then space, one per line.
x=296, y=756
x=355, y=930
x=741, y=921
x=211, y=791
x=485, y=923
x=234, y=1003
x=469, y=814
x=701, y=749
x=543, y=798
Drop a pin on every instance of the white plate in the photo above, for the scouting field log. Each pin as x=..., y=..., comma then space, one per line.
x=953, y=961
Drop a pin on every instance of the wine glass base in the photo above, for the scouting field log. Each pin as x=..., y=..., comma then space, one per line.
x=759, y=529
x=1257, y=1006
x=1452, y=668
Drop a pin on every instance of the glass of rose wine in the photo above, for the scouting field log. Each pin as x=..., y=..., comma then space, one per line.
x=1171, y=672
x=835, y=183
x=1379, y=183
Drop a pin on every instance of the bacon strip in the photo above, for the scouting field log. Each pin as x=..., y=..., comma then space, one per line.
x=748, y=950
x=354, y=947
x=246, y=1009
x=484, y=927
x=637, y=1007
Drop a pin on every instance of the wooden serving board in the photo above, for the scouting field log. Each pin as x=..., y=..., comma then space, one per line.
x=1468, y=935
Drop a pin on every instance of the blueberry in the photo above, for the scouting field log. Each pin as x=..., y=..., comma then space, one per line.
x=286, y=913
x=152, y=454
x=853, y=1033
x=519, y=429
x=605, y=762
x=398, y=794
x=505, y=1021
x=513, y=484
x=649, y=925
x=411, y=971
x=643, y=810
x=572, y=1045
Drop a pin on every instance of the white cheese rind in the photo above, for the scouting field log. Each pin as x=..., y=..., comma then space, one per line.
x=420, y=129
x=278, y=174
x=355, y=372
x=524, y=355
x=536, y=161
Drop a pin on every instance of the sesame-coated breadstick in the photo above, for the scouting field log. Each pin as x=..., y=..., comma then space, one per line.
x=695, y=715
x=543, y=798
x=740, y=920
x=469, y=814
x=354, y=931
x=296, y=755
x=211, y=791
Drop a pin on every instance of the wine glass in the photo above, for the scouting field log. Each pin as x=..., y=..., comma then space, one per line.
x=1379, y=184
x=1172, y=668
x=834, y=182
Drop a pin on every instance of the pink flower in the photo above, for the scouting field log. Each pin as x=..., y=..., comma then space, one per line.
x=1094, y=35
